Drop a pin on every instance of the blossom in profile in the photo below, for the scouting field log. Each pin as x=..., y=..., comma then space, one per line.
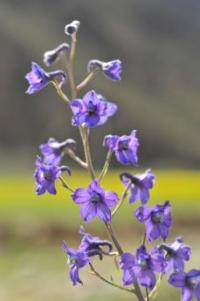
x=93, y=245
x=77, y=259
x=174, y=254
x=157, y=220
x=95, y=202
x=38, y=78
x=53, y=150
x=141, y=267
x=46, y=175
x=51, y=56
x=111, y=69
x=139, y=184
x=92, y=110
x=189, y=283
x=125, y=147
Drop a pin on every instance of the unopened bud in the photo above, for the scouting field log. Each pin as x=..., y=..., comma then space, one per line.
x=51, y=56
x=72, y=27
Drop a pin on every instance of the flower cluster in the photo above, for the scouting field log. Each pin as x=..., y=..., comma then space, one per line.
x=146, y=266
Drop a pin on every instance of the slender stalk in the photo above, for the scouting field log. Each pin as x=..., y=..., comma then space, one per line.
x=85, y=139
x=65, y=185
x=144, y=239
x=123, y=197
x=154, y=292
x=147, y=294
x=85, y=81
x=106, y=165
x=70, y=66
x=60, y=92
x=114, y=239
x=72, y=155
x=109, y=282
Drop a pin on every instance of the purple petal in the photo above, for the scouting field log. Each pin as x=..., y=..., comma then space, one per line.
x=111, y=198
x=88, y=211
x=80, y=196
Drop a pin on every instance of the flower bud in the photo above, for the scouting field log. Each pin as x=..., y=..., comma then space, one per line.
x=51, y=56
x=94, y=65
x=72, y=27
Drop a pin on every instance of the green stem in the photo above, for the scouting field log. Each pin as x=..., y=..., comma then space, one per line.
x=109, y=282
x=85, y=81
x=60, y=92
x=65, y=185
x=70, y=66
x=123, y=197
x=72, y=155
x=106, y=165
x=85, y=138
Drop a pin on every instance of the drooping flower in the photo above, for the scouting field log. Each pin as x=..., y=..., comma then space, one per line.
x=111, y=69
x=173, y=254
x=189, y=283
x=52, y=56
x=139, y=184
x=93, y=245
x=77, y=259
x=72, y=27
x=95, y=202
x=38, y=78
x=157, y=220
x=46, y=175
x=125, y=147
x=140, y=267
x=54, y=150
x=92, y=110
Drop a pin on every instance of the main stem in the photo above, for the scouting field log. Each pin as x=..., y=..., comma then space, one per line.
x=85, y=139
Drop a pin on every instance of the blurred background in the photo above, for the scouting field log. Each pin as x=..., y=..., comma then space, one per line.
x=158, y=43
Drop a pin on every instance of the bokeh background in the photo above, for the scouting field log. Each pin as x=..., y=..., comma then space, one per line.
x=158, y=43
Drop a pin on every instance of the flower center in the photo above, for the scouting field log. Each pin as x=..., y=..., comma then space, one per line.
x=156, y=217
x=71, y=260
x=143, y=263
x=123, y=145
x=47, y=175
x=91, y=108
x=95, y=198
x=192, y=282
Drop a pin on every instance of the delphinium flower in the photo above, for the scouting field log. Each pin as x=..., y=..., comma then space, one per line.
x=189, y=283
x=92, y=110
x=125, y=147
x=157, y=220
x=53, y=150
x=46, y=175
x=38, y=78
x=77, y=259
x=72, y=27
x=95, y=202
x=141, y=267
x=52, y=56
x=93, y=245
x=139, y=185
x=174, y=254
x=111, y=69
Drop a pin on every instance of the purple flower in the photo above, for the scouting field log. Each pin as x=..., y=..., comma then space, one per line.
x=92, y=110
x=94, y=201
x=111, y=69
x=157, y=220
x=140, y=185
x=125, y=147
x=76, y=259
x=188, y=282
x=46, y=175
x=52, y=56
x=94, y=245
x=140, y=267
x=38, y=78
x=173, y=254
x=53, y=150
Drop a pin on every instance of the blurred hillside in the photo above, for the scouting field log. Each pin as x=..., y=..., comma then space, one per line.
x=158, y=42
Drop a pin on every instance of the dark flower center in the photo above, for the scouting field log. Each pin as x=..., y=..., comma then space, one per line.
x=143, y=263
x=91, y=108
x=95, y=197
x=47, y=175
x=123, y=145
x=192, y=282
x=157, y=217
x=71, y=260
